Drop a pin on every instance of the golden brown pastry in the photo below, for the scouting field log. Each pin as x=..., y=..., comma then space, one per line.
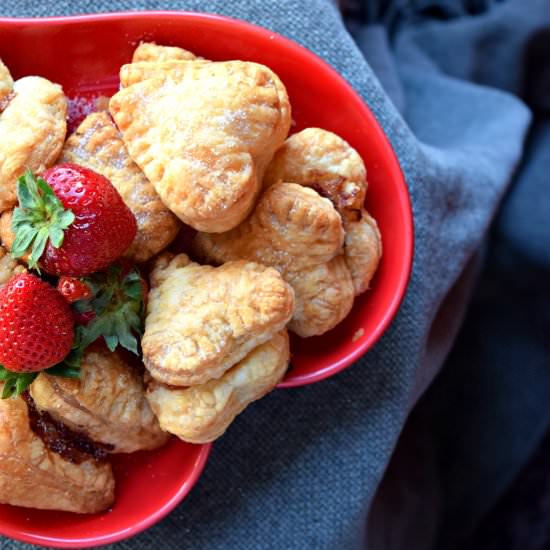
x=6, y=83
x=32, y=131
x=203, y=135
x=7, y=236
x=9, y=266
x=136, y=72
x=325, y=162
x=107, y=402
x=299, y=233
x=33, y=476
x=203, y=320
x=97, y=144
x=149, y=51
x=324, y=296
x=200, y=414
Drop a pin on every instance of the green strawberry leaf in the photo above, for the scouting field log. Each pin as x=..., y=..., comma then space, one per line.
x=9, y=388
x=56, y=236
x=15, y=383
x=39, y=245
x=112, y=341
x=118, y=305
x=23, y=381
x=4, y=374
x=39, y=218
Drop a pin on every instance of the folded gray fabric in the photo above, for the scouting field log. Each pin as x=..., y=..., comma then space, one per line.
x=488, y=411
x=299, y=469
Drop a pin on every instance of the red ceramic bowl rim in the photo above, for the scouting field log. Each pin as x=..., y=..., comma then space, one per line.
x=394, y=167
x=121, y=534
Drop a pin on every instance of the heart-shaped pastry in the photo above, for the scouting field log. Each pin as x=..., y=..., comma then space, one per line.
x=202, y=320
x=203, y=135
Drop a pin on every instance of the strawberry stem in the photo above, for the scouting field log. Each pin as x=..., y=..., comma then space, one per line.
x=39, y=218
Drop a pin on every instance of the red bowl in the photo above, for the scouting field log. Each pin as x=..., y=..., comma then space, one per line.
x=84, y=54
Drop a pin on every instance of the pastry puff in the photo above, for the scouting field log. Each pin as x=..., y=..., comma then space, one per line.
x=9, y=266
x=203, y=134
x=299, y=233
x=97, y=144
x=203, y=320
x=149, y=51
x=325, y=162
x=35, y=477
x=200, y=414
x=6, y=82
x=107, y=403
x=32, y=131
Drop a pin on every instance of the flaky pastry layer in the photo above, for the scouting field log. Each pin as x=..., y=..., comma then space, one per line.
x=200, y=414
x=34, y=477
x=107, y=402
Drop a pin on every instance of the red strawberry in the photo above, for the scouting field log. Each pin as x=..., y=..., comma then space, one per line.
x=75, y=220
x=36, y=325
x=73, y=289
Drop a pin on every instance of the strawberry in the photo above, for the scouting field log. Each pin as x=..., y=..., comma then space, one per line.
x=74, y=220
x=36, y=325
x=73, y=289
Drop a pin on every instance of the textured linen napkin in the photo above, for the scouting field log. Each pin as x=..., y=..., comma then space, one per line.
x=300, y=468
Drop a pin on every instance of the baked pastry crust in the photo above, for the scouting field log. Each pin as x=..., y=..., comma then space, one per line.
x=32, y=132
x=149, y=51
x=107, y=402
x=325, y=294
x=203, y=135
x=9, y=266
x=200, y=414
x=34, y=477
x=300, y=234
x=97, y=144
x=203, y=320
x=6, y=81
x=325, y=162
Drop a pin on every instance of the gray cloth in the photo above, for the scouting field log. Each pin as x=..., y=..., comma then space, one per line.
x=300, y=468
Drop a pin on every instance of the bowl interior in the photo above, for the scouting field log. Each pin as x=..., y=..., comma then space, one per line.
x=84, y=55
